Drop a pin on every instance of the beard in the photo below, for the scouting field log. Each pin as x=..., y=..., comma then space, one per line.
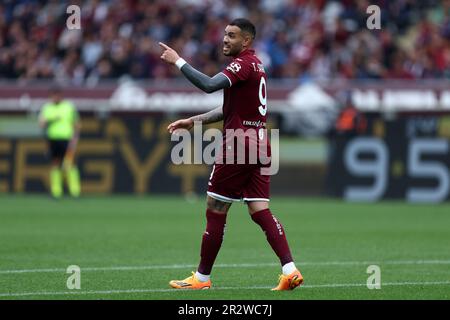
x=231, y=52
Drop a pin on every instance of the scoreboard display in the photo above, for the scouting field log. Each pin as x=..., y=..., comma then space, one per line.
x=403, y=157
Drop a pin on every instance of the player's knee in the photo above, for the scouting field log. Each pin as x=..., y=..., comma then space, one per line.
x=255, y=206
x=217, y=205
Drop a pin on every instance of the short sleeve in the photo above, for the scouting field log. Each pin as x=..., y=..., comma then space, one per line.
x=237, y=70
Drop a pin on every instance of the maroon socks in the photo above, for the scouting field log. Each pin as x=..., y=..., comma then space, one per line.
x=213, y=237
x=275, y=234
x=211, y=241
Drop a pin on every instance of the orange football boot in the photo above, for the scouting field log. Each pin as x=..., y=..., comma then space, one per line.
x=289, y=282
x=190, y=283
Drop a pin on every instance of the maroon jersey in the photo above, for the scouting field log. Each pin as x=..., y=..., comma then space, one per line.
x=245, y=102
x=245, y=108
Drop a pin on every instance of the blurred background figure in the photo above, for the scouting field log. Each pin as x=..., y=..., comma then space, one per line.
x=60, y=120
x=350, y=121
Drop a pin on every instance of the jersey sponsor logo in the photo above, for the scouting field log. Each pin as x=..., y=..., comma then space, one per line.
x=257, y=124
x=234, y=67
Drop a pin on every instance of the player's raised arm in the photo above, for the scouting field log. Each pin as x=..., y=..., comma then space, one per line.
x=200, y=80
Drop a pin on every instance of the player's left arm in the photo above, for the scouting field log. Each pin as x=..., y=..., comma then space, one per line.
x=212, y=116
x=200, y=80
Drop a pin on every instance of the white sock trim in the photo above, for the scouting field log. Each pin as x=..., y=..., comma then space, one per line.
x=288, y=268
x=201, y=277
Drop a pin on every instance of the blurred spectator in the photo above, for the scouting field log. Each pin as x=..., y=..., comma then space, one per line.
x=350, y=121
x=317, y=39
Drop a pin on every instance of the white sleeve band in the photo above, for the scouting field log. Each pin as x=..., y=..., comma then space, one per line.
x=180, y=62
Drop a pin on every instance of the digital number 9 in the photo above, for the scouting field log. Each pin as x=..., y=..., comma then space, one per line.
x=376, y=168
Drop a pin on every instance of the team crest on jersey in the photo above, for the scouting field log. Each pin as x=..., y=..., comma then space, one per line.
x=234, y=67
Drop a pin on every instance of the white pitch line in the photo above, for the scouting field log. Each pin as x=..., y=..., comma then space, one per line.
x=151, y=267
x=236, y=265
x=333, y=285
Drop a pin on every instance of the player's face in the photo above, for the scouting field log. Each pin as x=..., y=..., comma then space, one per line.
x=232, y=41
x=56, y=97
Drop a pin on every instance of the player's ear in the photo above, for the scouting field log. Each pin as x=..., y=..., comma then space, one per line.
x=247, y=39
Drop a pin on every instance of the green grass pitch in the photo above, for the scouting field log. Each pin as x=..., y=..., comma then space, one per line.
x=130, y=247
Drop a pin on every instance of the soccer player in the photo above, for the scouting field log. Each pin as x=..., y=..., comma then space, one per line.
x=244, y=107
x=61, y=122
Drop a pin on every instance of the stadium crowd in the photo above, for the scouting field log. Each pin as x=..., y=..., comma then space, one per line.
x=295, y=38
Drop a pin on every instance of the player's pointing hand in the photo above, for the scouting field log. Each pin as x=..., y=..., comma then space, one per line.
x=169, y=55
